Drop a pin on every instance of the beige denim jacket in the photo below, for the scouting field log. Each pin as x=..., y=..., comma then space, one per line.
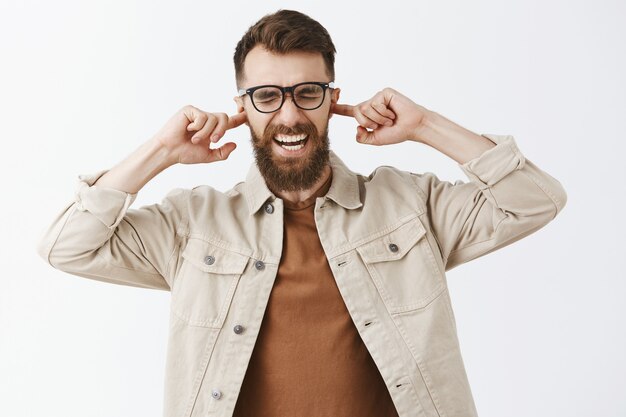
x=389, y=238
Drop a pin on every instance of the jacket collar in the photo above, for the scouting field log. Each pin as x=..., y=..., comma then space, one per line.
x=344, y=189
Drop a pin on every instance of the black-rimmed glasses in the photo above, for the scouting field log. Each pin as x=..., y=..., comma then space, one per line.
x=270, y=98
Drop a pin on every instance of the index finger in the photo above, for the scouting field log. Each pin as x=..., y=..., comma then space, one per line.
x=236, y=120
x=343, y=110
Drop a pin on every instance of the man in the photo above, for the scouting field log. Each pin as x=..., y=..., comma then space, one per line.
x=307, y=290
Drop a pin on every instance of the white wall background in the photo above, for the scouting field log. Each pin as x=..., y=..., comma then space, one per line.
x=84, y=83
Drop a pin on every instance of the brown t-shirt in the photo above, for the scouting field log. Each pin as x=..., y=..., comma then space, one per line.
x=309, y=360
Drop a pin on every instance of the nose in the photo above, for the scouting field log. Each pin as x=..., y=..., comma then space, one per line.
x=289, y=114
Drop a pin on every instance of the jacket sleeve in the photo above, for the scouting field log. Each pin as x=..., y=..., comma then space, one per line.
x=507, y=198
x=98, y=236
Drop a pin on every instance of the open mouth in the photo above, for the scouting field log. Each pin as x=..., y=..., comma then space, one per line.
x=291, y=142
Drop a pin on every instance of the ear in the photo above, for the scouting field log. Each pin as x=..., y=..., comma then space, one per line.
x=240, y=108
x=239, y=102
x=334, y=99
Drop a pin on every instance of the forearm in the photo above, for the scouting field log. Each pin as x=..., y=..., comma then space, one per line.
x=131, y=174
x=453, y=140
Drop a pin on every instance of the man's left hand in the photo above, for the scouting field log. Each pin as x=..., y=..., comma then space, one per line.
x=392, y=118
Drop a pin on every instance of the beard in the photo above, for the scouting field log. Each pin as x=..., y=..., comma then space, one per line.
x=291, y=173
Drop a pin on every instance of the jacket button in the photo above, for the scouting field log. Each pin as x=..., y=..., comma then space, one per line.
x=269, y=208
x=259, y=265
x=393, y=247
x=238, y=329
x=209, y=260
x=216, y=394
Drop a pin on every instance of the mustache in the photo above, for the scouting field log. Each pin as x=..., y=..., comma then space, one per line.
x=301, y=128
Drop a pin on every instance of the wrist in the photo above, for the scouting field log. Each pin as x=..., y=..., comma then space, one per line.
x=162, y=156
x=137, y=169
x=426, y=127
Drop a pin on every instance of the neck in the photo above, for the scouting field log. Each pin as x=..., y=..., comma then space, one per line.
x=299, y=196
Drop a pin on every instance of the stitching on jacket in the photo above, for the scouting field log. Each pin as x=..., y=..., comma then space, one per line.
x=420, y=365
x=543, y=188
x=424, y=198
x=178, y=238
x=471, y=196
x=49, y=249
x=373, y=236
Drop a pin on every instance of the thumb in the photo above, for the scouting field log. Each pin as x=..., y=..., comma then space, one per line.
x=365, y=136
x=221, y=153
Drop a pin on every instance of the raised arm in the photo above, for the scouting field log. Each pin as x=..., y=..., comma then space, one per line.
x=98, y=236
x=507, y=196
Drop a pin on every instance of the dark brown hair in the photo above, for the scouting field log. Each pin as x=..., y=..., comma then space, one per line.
x=286, y=31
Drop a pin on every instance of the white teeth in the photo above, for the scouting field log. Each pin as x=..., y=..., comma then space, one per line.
x=292, y=148
x=287, y=139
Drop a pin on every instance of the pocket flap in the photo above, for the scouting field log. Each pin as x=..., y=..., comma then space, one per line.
x=394, y=245
x=214, y=259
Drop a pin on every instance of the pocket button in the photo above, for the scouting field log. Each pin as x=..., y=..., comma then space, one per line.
x=259, y=265
x=209, y=260
x=393, y=247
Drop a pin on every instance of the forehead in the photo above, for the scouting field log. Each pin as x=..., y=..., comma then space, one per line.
x=264, y=67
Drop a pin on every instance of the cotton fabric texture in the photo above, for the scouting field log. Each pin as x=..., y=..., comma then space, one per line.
x=389, y=237
x=308, y=358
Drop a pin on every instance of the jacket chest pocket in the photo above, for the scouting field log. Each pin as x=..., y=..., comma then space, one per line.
x=204, y=289
x=403, y=267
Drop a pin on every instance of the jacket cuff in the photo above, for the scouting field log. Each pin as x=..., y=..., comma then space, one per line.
x=107, y=204
x=495, y=163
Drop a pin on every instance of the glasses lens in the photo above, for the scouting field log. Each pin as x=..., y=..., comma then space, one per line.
x=267, y=99
x=309, y=96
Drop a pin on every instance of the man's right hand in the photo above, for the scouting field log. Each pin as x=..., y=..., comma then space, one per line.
x=188, y=134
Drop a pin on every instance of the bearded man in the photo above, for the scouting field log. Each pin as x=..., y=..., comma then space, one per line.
x=307, y=289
